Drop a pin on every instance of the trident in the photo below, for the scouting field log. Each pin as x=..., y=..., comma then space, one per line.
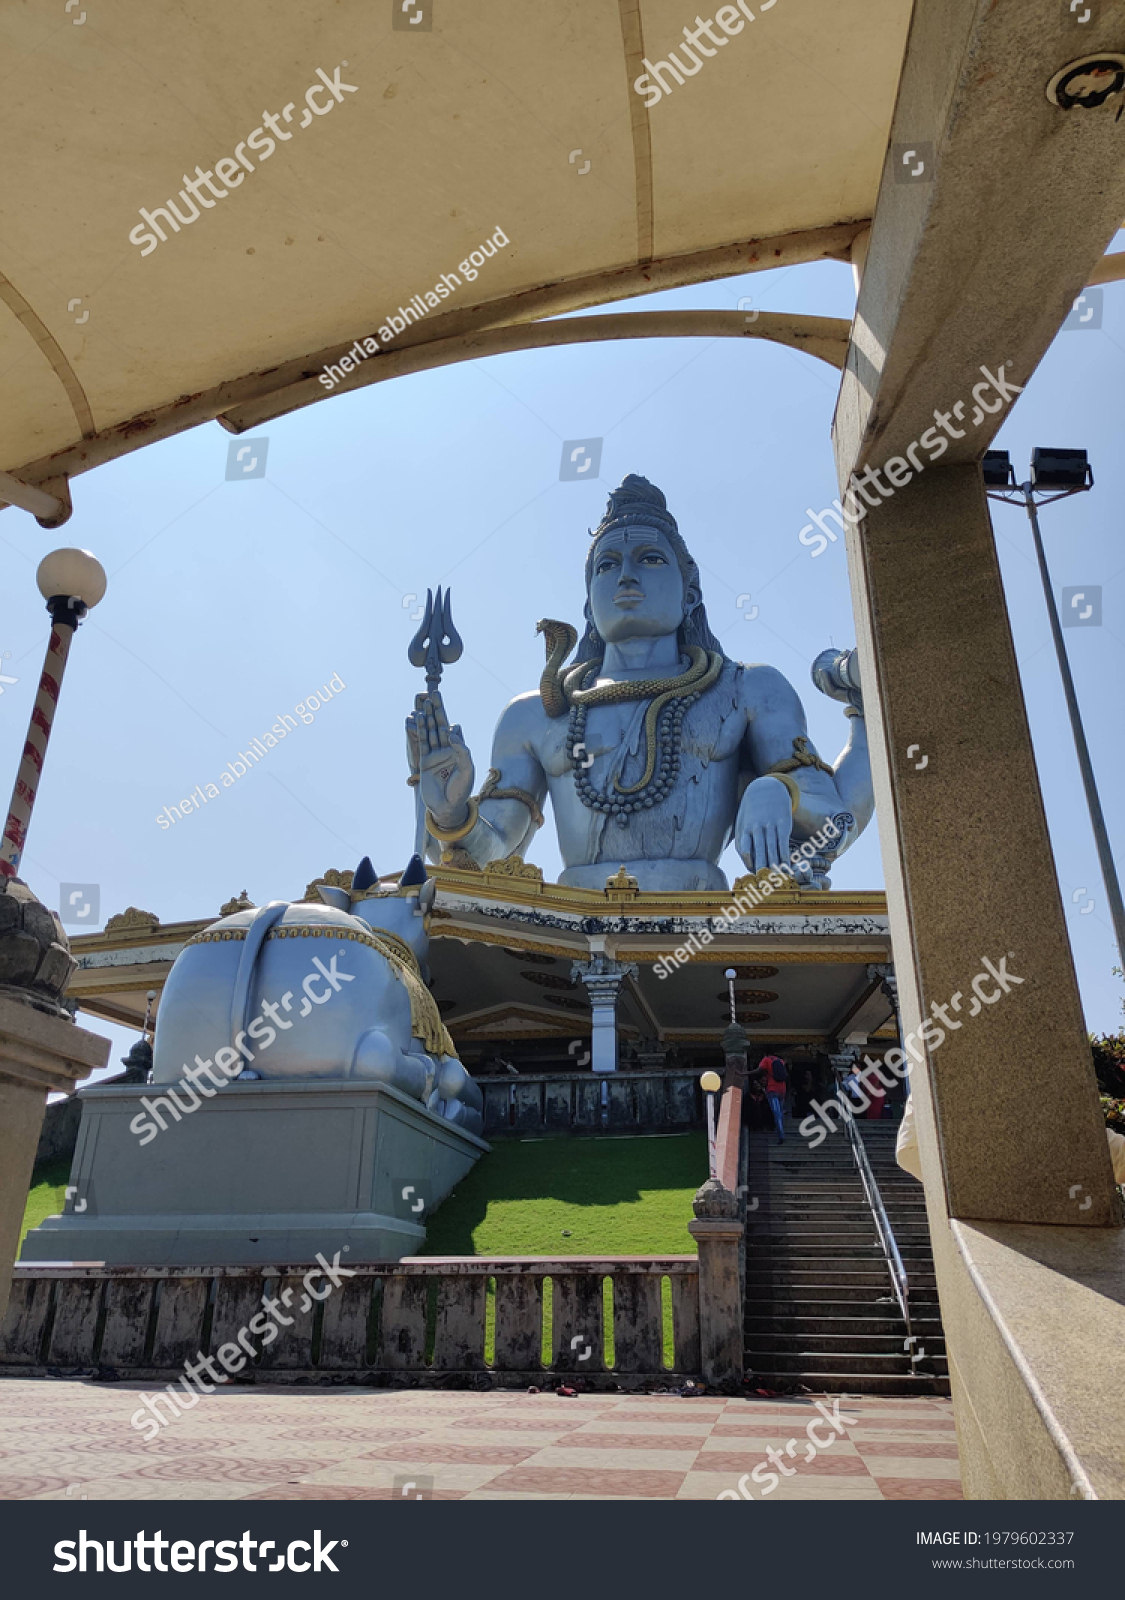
x=437, y=644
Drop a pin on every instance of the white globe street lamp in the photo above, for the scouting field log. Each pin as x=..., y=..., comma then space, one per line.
x=71, y=581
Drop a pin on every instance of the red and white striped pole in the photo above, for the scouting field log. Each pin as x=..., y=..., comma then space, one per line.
x=71, y=581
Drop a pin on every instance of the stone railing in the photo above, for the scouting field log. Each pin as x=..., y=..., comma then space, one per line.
x=580, y=1102
x=609, y=1320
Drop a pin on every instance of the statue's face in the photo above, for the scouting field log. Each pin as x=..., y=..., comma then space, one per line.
x=636, y=589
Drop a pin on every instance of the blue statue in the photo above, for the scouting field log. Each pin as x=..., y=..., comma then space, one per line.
x=656, y=748
x=330, y=990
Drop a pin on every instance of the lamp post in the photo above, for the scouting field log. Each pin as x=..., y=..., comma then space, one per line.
x=71, y=581
x=1055, y=475
x=711, y=1083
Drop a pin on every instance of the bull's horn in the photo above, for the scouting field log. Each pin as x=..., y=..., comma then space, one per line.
x=364, y=876
x=414, y=875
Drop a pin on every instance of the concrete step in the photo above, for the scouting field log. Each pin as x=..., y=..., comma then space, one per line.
x=813, y=1319
x=857, y=1383
x=842, y=1301
x=871, y=1364
x=863, y=1316
x=863, y=1346
x=820, y=1286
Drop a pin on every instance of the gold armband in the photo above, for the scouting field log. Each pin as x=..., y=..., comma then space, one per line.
x=451, y=835
x=791, y=784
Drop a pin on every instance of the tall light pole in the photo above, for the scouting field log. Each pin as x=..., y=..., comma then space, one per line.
x=1055, y=475
x=71, y=581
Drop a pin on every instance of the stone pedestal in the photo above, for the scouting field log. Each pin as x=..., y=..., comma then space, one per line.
x=39, y=1053
x=263, y=1171
x=717, y=1232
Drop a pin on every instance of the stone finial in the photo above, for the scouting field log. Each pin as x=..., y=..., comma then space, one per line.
x=713, y=1202
x=35, y=959
x=131, y=920
x=242, y=903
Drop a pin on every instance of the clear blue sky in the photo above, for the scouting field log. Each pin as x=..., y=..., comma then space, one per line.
x=230, y=602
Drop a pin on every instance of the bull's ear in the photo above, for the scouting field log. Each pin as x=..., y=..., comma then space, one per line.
x=364, y=876
x=426, y=897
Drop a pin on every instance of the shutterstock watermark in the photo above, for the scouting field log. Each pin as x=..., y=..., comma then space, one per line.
x=420, y=305
x=896, y=1064
x=186, y=1556
x=900, y=470
x=652, y=84
x=761, y=1473
x=232, y=1060
x=782, y=877
x=257, y=749
x=233, y=1356
x=229, y=170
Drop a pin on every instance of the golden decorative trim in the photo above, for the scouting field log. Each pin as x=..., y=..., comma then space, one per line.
x=511, y=941
x=515, y=867
x=125, y=921
x=622, y=885
x=451, y=835
x=759, y=883
x=764, y=1035
x=701, y=903
x=460, y=861
x=334, y=880
x=242, y=902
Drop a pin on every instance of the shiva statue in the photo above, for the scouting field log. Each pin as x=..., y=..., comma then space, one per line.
x=655, y=747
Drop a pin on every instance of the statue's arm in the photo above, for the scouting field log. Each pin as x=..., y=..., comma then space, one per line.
x=506, y=825
x=777, y=737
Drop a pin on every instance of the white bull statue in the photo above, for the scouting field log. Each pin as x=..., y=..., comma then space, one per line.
x=308, y=991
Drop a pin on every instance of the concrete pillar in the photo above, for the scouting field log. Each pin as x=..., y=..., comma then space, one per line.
x=603, y=978
x=38, y=1053
x=717, y=1232
x=969, y=869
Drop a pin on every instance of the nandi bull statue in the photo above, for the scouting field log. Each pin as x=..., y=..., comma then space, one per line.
x=335, y=990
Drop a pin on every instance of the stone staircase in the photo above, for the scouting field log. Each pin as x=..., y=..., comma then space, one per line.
x=820, y=1307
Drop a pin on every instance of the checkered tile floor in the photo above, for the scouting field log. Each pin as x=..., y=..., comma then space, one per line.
x=73, y=1440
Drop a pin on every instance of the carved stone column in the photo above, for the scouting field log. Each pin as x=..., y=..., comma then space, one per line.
x=603, y=978
x=717, y=1232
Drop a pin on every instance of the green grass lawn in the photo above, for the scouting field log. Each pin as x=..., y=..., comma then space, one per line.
x=46, y=1195
x=615, y=1197
x=628, y=1196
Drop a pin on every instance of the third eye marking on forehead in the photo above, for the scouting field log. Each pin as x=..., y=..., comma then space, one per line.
x=647, y=543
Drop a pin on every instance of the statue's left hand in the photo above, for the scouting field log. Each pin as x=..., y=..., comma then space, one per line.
x=764, y=824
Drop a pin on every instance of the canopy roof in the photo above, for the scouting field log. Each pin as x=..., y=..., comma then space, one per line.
x=458, y=126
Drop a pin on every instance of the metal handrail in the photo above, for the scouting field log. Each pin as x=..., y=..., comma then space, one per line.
x=899, y=1280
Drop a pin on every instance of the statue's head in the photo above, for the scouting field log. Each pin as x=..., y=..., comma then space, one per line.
x=641, y=581
x=403, y=910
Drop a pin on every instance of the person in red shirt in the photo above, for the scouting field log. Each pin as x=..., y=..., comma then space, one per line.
x=775, y=1080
